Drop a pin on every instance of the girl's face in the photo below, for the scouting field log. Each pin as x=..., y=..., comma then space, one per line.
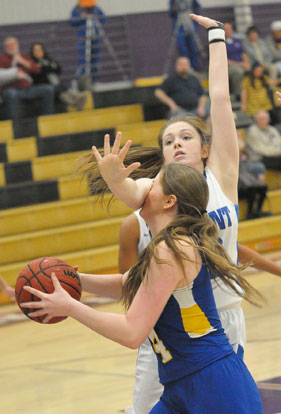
x=38, y=51
x=182, y=144
x=155, y=199
x=258, y=72
x=253, y=36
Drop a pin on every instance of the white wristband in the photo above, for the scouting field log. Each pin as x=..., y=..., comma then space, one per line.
x=216, y=34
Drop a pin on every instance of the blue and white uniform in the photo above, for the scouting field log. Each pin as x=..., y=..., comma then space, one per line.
x=197, y=366
x=224, y=213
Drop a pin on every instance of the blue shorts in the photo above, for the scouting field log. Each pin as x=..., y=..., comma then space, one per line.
x=224, y=387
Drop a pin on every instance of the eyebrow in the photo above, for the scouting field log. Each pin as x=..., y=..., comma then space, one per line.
x=182, y=130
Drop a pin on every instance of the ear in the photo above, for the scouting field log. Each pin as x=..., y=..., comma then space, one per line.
x=205, y=151
x=171, y=202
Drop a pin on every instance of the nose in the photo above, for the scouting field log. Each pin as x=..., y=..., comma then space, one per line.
x=177, y=143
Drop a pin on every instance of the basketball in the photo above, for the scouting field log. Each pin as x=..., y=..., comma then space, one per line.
x=37, y=274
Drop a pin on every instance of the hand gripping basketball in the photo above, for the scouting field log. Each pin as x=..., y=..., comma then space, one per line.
x=51, y=304
x=38, y=277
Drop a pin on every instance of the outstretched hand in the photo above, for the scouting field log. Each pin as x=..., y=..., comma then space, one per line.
x=204, y=21
x=51, y=304
x=111, y=165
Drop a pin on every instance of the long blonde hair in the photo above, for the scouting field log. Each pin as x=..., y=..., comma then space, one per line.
x=192, y=221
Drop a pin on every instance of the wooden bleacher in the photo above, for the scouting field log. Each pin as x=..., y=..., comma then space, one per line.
x=69, y=226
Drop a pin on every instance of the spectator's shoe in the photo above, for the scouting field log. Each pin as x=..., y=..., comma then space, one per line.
x=264, y=214
x=81, y=100
x=69, y=97
x=259, y=214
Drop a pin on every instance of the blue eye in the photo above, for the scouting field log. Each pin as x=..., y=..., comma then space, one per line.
x=168, y=142
x=186, y=137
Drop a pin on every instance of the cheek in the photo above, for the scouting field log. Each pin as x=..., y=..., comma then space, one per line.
x=167, y=155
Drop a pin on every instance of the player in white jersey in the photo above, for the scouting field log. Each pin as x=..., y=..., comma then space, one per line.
x=182, y=141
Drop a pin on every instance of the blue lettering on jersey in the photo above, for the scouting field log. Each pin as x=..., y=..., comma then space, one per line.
x=219, y=215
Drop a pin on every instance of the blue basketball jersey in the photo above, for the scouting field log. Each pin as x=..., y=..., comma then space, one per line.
x=225, y=214
x=188, y=335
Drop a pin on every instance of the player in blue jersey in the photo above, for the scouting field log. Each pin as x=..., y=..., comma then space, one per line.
x=169, y=297
x=183, y=140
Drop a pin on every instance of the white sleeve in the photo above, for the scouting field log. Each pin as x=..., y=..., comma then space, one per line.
x=7, y=75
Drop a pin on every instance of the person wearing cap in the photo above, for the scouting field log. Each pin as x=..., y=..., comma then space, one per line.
x=273, y=42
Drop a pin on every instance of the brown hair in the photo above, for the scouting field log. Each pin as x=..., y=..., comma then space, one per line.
x=151, y=158
x=192, y=220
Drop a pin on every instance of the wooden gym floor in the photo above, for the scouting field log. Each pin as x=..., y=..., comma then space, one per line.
x=68, y=369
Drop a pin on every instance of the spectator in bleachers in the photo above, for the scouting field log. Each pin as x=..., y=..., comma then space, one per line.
x=11, y=74
x=183, y=92
x=263, y=142
x=257, y=50
x=256, y=91
x=22, y=88
x=49, y=73
x=273, y=41
x=7, y=289
x=88, y=18
x=251, y=183
x=185, y=29
x=238, y=60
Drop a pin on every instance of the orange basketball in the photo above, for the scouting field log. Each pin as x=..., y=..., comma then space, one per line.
x=87, y=3
x=37, y=274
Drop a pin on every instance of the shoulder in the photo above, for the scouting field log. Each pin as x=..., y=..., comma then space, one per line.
x=130, y=225
x=184, y=245
x=252, y=129
x=273, y=130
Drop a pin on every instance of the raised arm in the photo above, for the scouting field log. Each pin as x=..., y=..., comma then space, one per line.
x=116, y=175
x=224, y=153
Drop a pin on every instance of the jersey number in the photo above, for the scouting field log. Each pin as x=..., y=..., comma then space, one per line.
x=159, y=348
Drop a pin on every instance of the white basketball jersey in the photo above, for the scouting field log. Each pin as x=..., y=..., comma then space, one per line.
x=225, y=214
x=145, y=235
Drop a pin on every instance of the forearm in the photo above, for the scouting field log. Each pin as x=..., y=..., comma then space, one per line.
x=218, y=69
x=103, y=285
x=243, y=100
x=164, y=98
x=3, y=284
x=247, y=255
x=202, y=102
x=110, y=325
x=131, y=192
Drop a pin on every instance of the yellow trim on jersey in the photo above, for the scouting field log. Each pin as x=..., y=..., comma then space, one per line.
x=195, y=321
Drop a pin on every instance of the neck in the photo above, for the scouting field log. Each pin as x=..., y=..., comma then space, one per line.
x=157, y=223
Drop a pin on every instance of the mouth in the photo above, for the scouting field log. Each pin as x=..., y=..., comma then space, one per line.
x=178, y=154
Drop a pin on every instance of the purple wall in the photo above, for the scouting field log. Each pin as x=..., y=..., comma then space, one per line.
x=143, y=39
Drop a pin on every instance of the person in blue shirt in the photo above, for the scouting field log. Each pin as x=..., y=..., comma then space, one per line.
x=88, y=20
x=185, y=29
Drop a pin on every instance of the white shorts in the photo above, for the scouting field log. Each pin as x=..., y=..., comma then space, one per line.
x=148, y=390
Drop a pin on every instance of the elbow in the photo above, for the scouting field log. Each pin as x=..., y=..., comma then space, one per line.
x=134, y=341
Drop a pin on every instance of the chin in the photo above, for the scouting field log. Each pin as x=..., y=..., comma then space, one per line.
x=181, y=160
